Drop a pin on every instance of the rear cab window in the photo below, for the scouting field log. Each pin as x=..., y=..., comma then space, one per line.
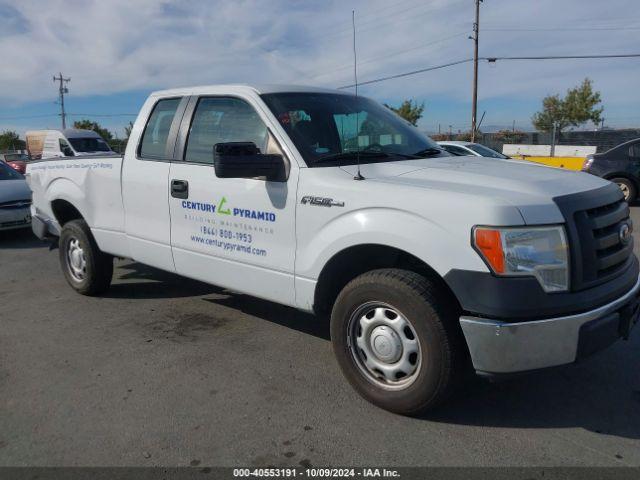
x=153, y=144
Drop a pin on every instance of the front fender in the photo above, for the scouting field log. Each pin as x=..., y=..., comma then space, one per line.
x=441, y=248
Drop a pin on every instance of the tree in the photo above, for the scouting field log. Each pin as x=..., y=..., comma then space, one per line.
x=409, y=110
x=510, y=136
x=439, y=137
x=577, y=107
x=95, y=126
x=10, y=140
x=127, y=129
x=466, y=136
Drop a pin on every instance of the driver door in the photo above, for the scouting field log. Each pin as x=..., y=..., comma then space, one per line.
x=237, y=233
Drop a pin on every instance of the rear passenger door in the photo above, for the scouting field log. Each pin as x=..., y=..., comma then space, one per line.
x=234, y=232
x=634, y=152
x=145, y=182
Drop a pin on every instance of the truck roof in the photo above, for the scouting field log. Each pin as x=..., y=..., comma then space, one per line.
x=67, y=132
x=244, y=88
x=79, y=133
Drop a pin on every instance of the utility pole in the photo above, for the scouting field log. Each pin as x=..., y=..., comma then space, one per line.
x=474, y=37
x=553, y=139
x=61, y=91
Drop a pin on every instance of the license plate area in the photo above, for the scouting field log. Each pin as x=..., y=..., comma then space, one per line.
x=628, y=318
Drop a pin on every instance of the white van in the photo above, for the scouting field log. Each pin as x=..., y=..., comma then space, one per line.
x=69, y=142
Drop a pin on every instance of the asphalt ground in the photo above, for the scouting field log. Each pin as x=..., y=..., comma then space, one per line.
x=166, y=371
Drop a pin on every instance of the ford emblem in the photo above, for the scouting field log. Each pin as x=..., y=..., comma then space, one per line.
x=624, y=234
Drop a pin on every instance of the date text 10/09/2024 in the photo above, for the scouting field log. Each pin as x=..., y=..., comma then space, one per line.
x=316, y=472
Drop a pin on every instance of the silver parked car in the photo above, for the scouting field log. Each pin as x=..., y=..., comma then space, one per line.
x=15, y=199
x=460, y=148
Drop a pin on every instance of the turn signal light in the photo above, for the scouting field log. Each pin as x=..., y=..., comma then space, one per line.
x=489, y=243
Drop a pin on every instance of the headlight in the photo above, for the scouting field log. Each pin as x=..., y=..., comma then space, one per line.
x=588, y=161
x=539, y=252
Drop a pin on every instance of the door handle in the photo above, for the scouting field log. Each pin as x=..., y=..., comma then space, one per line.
x=179, y=188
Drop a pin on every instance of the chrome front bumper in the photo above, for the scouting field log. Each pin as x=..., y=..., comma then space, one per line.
x=498, y=347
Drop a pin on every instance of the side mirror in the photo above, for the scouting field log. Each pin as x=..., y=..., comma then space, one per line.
x=66, y=150
x=244, y=160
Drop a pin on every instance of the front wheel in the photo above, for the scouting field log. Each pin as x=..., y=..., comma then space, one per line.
x=395, y=336
x=87, y=269
x=627, y=187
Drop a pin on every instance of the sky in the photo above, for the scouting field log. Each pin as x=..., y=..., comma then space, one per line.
x=117, y=51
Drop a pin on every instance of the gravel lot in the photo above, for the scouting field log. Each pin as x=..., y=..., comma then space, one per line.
x=167, y=371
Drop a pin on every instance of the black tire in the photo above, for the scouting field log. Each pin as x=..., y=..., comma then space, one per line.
x=628, y=188
x=97, y=270
x=432, y=314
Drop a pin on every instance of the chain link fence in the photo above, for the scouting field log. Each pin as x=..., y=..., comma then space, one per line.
x=602, y=139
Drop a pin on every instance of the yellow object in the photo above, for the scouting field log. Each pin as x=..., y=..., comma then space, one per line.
x=570, y=163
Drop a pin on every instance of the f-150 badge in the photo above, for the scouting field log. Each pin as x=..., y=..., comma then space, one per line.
x=321, y=201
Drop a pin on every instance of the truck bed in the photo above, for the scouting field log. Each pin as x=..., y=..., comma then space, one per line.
x=92, y=184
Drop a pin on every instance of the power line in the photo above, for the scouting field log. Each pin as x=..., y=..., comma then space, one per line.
x=380, y=21
x=325, y=31
x=568, y=29
x=406, y=74
x=24, y=117
x=19, y=117
x=391, y=54
x=102, y=114
x=491, y=60
x=563, y=57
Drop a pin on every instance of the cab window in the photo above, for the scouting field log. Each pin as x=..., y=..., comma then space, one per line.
x=222, y=120
x=156, y=132
x=65, y=148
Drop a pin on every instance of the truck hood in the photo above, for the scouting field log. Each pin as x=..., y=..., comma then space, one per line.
x=11, y=190
x=527, y=186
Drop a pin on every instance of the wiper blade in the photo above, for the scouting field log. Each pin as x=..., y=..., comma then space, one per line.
x=351, y=156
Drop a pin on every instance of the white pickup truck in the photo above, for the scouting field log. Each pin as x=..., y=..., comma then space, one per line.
x=329, y=202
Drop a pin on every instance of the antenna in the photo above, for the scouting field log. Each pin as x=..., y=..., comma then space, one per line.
x=355, y=78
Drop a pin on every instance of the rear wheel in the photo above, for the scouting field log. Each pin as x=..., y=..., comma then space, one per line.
x=395, y=336
x=86, y=268
x=627, y=187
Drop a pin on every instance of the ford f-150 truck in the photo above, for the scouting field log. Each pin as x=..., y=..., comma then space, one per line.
x=325, y=201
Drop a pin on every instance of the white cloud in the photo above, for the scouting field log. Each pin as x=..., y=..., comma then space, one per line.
x=120, y=45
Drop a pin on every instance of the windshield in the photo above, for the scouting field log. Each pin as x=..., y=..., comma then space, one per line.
x=11, y=157
x=332, y=129
x=8, y=173
x=485, y=151
x=89, y=144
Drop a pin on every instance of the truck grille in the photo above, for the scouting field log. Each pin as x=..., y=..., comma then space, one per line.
x=609, y=252
x=596, y=225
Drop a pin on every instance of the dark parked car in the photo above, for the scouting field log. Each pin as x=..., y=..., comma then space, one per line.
x=621, y=165
x=17, y=161
x=15, y=199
